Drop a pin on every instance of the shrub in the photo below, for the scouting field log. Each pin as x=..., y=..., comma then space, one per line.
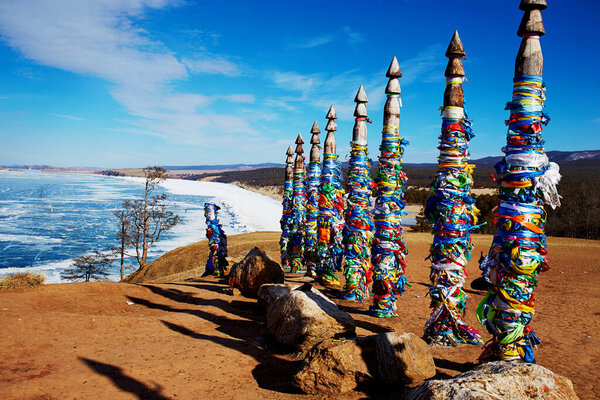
x=21, y=280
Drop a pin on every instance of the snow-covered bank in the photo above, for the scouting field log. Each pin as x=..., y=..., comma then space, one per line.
x=254, y=210
x=257, y=211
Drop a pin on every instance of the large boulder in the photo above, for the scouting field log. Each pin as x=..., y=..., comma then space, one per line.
x=304, y=317
x=404, y=358
x=499, y=380
x=336, y=366
x=253, y=271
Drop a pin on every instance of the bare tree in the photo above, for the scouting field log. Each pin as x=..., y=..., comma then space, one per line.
x=88, y=267
x=123, y=238
x=144, y=220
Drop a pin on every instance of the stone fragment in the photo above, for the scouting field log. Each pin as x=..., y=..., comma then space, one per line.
x=231, y=291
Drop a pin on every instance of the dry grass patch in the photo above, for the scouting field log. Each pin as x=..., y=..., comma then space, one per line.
x=21, y=280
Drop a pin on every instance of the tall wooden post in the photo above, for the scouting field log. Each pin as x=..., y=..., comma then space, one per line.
x=452, y=212
x=527, y=182
x=312, y=203
x=331, y=205
x=287, y=206
x=358, y=231
x=389, y=251
x=298, y=220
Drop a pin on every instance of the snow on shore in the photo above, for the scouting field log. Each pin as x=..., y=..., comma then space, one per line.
x=254, y=210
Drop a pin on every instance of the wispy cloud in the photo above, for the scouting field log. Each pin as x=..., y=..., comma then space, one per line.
x=320, y=90
x=313, y=42
x=201, y=38
x=354, y=37
x=93, y=38
x=427, y=66
x=101, y=39
x=280, y=103
x=240, y=98
x=293, y=81
x=65, y=116
x=212, y=64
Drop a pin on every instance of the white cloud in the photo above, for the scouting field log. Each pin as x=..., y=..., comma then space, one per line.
x=279, y=103
x=313, y=42
x=71, y=117
x=94, y=38
x=100, y=38
x=427, y=66
x=212, y=64
x=241, y=98
x=293, y=81
x=321, y=90
x=354, y=37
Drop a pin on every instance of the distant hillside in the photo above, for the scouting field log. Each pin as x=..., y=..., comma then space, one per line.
x=51, y=168
x=416, y=168
x=556, y=156
x=579, y=215
x=229, y=167
x=576, y=166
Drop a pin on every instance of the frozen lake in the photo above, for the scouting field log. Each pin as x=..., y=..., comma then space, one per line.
x=47, y=219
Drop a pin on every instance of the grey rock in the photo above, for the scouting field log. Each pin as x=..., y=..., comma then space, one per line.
x=335, y=366
x=499, y=380
x=303, y=318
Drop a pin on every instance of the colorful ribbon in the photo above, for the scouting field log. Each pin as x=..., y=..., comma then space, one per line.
x=285, y=221
x=297, y=223
x=330, y=222
x=389, y=251
x=217, y=242
x=518, y=252
x=358, y=231
x=452, y=212
x=312, y=214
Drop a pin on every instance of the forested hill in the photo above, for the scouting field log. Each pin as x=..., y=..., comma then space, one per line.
x=573, y=170
x=579, y=215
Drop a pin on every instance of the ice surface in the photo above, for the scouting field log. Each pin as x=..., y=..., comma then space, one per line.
x=46, y=220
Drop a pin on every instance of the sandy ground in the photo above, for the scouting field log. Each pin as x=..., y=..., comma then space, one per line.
x=187, y=340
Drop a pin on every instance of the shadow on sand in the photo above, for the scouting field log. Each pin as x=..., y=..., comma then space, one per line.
x=124, y=382
x=246, y=335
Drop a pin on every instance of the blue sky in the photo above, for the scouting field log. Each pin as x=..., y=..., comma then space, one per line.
x=128, y=83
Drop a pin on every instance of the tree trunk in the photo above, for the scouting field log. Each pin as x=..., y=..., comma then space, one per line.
x=122, y=241
x=145, y=228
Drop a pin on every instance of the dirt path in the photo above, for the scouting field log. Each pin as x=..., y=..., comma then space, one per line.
x=187, y=340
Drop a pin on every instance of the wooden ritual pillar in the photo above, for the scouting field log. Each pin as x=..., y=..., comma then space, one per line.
x=527, y=182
